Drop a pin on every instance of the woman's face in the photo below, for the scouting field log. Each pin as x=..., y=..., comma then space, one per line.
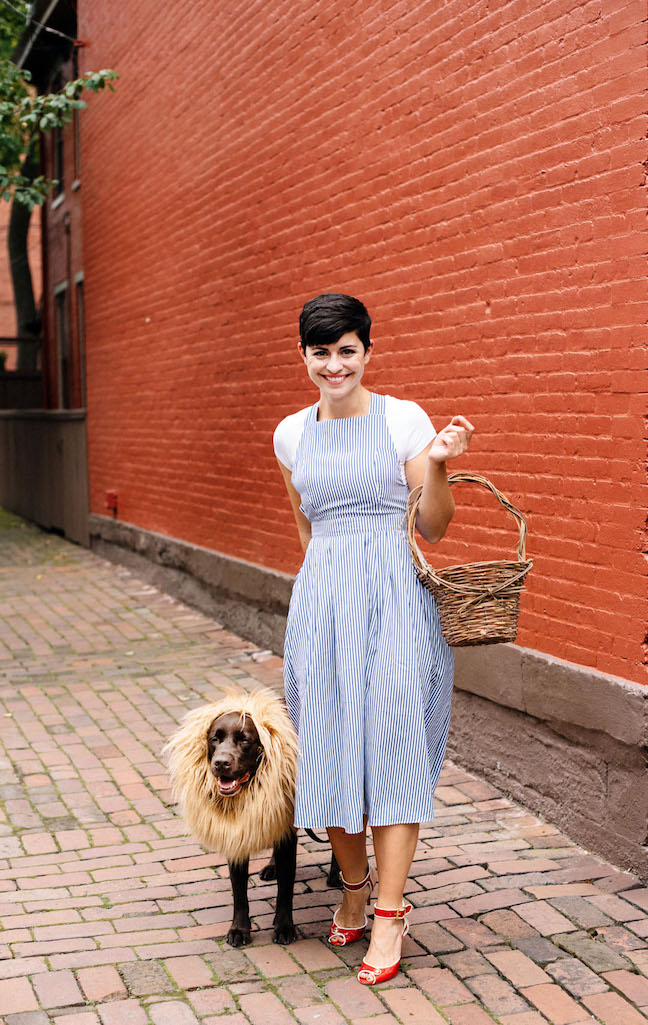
x=338, y=368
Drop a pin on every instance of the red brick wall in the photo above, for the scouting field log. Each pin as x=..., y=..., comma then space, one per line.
x=472, y=171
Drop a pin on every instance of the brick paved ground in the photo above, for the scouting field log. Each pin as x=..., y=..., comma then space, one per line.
x=109, y=915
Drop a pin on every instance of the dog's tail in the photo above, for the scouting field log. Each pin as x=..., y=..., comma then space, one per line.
x=314, y=836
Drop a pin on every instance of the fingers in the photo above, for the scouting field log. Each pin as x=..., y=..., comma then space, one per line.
x=455, y=438
x=459, y=427
x=454, y=431
x=461, y=421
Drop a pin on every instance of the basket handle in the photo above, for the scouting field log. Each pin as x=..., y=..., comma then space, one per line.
x=462, y=477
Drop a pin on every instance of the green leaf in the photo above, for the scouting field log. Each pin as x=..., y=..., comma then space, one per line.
x=23, y=115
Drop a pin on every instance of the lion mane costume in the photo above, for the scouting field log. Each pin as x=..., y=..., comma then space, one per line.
x=260, y=815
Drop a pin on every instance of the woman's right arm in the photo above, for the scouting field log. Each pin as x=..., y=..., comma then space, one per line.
x=303, y=525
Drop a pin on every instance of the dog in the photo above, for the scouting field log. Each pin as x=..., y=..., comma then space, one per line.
x=232, y=766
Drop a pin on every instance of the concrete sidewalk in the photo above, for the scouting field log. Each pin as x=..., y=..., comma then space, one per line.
x=109, y=915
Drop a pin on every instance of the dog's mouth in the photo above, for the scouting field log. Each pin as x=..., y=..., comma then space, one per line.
x=228, y=786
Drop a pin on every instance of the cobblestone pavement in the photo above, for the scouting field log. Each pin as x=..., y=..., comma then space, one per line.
x=110, y=915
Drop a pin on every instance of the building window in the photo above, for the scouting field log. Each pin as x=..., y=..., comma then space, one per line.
x=62, y=345
x=76, y=130
x=80, y=307
x=59, y=156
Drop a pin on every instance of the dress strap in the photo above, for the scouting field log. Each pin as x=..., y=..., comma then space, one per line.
x=377, y=404
x=309, y=420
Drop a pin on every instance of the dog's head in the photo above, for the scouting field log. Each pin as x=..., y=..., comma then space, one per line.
x=234, y=751
x=209, y=758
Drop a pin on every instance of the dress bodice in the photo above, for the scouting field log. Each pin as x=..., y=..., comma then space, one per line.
x=347, y=473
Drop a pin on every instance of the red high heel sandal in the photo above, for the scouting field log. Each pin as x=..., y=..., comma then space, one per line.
x=339, y=936
x=370, y=976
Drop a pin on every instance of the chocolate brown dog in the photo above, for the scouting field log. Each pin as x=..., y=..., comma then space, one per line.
x=234, y=751
x=233, y=765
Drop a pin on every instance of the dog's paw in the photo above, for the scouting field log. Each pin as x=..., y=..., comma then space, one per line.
x=285, y=934
x=239, y=937
x=268, y=872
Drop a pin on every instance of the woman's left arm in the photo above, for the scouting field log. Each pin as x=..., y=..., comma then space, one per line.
x=428, y=468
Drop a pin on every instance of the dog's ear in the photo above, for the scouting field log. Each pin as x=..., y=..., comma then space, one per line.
x=209, y=738
x=250, y=721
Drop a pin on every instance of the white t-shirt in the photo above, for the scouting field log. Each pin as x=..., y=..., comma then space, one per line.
x=409, y=425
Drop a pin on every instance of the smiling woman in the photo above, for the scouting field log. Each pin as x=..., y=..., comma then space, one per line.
x=337, y=366
x=368, y=676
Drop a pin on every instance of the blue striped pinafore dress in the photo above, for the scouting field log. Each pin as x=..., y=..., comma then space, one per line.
x=368, y=675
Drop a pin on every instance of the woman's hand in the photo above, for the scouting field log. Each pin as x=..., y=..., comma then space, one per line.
x=452, y=441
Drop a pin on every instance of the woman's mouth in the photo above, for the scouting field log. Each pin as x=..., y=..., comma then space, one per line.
x=337, y=379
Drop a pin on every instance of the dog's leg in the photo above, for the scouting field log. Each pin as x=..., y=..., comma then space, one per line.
x=333, y=878
x=285, y=856
x=239, y=934
x=269, y=871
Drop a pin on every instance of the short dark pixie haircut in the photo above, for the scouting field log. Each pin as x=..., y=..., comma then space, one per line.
x=326, y=318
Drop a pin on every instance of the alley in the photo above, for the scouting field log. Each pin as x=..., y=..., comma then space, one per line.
x=109, y=914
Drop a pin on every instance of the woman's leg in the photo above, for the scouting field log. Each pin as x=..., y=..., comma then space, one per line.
x=394, y=847
x=350, y=849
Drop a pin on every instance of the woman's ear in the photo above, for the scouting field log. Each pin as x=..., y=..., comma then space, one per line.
x=301, y=351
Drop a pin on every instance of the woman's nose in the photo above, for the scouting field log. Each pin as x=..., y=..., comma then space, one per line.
x=334, y=363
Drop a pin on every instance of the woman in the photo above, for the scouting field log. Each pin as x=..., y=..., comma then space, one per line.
x=368, y=675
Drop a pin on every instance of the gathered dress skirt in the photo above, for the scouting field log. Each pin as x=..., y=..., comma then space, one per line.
x=368, y=675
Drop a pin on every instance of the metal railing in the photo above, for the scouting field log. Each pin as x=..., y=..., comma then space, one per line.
x=19, y=388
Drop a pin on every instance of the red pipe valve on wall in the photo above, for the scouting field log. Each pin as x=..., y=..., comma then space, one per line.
x=111, y=502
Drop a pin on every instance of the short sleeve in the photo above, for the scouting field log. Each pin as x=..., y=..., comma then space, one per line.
x=286, y=437
x=282, y=446
x=410, y=427
x=419, y=432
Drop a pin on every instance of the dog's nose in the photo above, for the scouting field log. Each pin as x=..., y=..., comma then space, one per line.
x=220, y=765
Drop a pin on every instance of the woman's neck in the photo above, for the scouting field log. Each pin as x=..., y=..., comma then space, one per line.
x=355, y=404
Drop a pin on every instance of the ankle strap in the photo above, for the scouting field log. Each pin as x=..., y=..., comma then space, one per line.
x=356, y=886
x=392, y=912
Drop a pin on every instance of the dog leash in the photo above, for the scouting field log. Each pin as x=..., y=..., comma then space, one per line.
x=314, y=836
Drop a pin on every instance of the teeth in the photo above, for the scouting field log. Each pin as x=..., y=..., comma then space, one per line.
x=234, y=785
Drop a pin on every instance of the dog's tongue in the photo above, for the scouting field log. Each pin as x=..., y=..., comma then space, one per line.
x=232, y=786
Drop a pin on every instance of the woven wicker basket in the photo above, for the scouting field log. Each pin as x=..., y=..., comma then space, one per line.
x=478, y=603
